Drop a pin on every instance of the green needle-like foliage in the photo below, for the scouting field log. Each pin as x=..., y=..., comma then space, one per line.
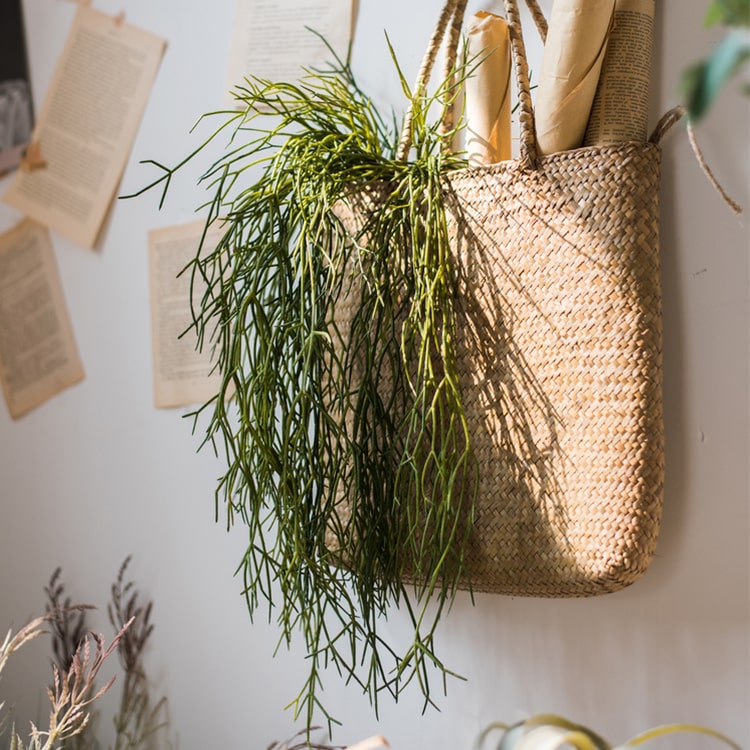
x=329, y=301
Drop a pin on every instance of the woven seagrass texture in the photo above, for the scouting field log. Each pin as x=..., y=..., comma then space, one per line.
x=559, y=320
x=559, y=339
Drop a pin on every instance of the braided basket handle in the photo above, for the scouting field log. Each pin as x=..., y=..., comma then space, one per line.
x=453, y=14
x=449, y=27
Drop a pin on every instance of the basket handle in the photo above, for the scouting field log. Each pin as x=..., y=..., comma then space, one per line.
x=453, y=14
x=538, y=15
x=528, y=150
x=449, y=26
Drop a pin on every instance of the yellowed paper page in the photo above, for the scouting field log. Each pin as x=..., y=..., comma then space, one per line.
x=488, y=90
x=569, y=73
x=271, y=39
x=38, y=353
x=182, y=375
x=87, y=125
x=620, y=109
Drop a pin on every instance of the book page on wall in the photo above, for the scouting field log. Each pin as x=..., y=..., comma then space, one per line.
x=182, y=375
x=274, y=39
x=16, y=108
x=38, y=353
x=87, y=125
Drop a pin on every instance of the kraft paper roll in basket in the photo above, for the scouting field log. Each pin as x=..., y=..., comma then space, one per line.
x=559, y=338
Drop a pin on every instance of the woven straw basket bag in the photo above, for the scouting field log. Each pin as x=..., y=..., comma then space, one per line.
x=558, y=304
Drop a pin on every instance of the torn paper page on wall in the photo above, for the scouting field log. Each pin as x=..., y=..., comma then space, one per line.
x=87, y=125
x=274, y=39
x=38, y=353
x=182, y=375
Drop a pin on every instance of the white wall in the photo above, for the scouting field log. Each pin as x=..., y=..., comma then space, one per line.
x=97, y=473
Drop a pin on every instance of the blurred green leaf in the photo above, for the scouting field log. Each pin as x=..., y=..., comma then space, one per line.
x=714, y=15
x=728, y=12
x=701, y=83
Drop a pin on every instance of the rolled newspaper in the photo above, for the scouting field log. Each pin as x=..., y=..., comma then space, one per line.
x=620, y=109
x=569, y=73
x=488, y=90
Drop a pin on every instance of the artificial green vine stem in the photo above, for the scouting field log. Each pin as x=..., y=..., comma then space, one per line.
x=348, y=455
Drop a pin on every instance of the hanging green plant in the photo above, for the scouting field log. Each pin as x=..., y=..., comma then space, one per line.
x=348, y=455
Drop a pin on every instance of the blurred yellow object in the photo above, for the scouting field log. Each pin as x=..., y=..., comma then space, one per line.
x=552, y=732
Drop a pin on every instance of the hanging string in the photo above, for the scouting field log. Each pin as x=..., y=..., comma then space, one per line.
x=670, y=118
x=707, y=171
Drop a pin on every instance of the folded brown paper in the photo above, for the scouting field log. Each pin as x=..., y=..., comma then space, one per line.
x=488, y=90
x=571, y=65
